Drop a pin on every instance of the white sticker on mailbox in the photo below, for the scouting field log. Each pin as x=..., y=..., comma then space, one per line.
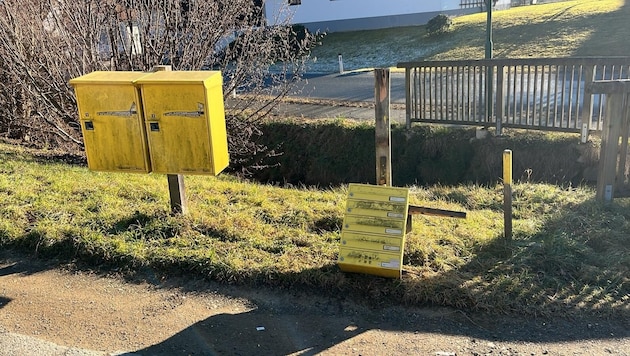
x=391, y=248
x=391, y=264
x=397, y=199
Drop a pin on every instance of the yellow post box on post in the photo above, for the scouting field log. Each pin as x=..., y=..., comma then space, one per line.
x=185, y=121
x=111, y=120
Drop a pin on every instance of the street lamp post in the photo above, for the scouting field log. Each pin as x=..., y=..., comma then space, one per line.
x=489, y=68
x=489, y=30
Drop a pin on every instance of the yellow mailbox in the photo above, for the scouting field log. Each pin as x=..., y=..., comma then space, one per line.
x=373, y=233
x=111, y=121
x=185, y=121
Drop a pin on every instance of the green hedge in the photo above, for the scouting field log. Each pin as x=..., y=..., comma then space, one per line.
x=333, y=152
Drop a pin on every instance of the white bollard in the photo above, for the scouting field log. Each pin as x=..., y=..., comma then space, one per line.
x=340, y=63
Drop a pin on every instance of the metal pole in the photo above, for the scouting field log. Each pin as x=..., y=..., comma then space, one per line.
x=489, y=30
x=489, y=68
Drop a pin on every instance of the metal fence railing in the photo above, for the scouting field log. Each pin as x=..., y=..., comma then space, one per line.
x=541, y=93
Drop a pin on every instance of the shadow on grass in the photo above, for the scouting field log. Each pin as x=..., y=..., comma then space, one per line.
x=551, y=286
x=607, y=31
x=605, y=40
x=44, y=157
x=575, y=265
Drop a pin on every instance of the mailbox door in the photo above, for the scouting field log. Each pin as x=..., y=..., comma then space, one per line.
x=178, y=128
x=185, y=121
x=112, y=127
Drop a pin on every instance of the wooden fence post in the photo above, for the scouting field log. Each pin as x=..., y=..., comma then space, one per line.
x=383, y=127
x=610, y=148
x=176, y=188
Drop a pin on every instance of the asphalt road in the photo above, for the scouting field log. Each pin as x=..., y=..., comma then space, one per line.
x=349, y=86
x=348, y=96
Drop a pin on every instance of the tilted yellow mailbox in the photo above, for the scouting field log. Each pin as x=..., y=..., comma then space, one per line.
x=185, y=121
x=373, y=232
x=111, y=121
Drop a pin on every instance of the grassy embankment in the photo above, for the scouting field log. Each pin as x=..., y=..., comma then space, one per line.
x=569, y=254
x=563, y=29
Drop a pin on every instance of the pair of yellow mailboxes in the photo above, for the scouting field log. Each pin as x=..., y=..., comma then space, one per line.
x=169, y=122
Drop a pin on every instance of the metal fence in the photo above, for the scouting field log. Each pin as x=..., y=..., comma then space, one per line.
x=541, y=93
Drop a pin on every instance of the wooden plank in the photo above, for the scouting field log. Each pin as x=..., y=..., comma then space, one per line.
x=609, y=86
x=420, y=210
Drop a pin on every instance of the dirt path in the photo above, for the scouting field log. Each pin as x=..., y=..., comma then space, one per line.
x=82, y=309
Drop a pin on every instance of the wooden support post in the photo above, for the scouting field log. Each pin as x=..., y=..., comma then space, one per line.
x=383, y=127
x=623, y=152
x=500, y=110
x=176, y=188
x=507, y=194
x=409, y=90
x=609, y=153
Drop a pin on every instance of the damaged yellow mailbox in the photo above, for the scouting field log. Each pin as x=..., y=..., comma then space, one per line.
x=185, y=121
x=373, y=232
x=111, y=121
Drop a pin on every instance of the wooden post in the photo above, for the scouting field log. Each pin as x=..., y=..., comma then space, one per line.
x=500, y=110
x=587, y=108
x=610, y=148
x=383, y=127
x=176, y=188
x=507, y=194
x=623, y=152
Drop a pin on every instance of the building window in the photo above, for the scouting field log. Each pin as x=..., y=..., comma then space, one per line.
x=468, y=4
x=295, y=2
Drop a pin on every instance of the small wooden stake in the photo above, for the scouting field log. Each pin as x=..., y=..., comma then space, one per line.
x=507, y=194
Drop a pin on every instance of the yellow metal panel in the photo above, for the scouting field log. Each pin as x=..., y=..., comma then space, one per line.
x=381, y=226
x=185, y=122
x=361, y=261
x=376, y=209
x=373, y=234
x=357, y=240
x=111, y=121
x=378, y=193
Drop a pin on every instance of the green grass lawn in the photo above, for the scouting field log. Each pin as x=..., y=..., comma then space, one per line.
x=562, y=29
x=569, y=254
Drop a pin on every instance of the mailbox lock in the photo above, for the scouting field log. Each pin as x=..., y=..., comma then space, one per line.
x=154, y=126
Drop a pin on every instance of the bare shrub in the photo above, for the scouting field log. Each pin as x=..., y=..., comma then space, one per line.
x=45, y=43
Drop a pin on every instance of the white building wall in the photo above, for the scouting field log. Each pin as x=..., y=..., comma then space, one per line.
x=375, y=13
